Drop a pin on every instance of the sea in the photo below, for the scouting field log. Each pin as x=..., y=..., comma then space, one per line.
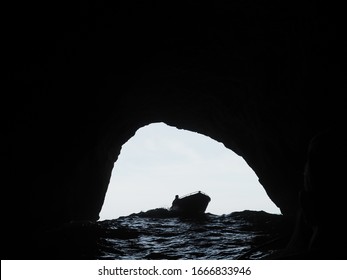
x=157, y=234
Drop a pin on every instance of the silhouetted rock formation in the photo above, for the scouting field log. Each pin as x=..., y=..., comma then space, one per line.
x=262, y=78
x=320, y=232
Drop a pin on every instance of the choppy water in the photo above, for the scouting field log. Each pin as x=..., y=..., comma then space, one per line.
x=156, y=234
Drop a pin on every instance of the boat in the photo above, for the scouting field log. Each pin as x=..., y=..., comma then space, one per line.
x=191, y=204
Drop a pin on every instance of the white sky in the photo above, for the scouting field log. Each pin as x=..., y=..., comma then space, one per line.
x=161, y=161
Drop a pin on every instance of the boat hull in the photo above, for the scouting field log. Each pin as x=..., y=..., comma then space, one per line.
x=192, y=204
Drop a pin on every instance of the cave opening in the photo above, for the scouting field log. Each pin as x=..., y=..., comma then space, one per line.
x=160, y=161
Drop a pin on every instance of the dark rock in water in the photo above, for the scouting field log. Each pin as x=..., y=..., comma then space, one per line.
x=155, y=213
x=262, y=220
x=167, y=213
x=261, y=77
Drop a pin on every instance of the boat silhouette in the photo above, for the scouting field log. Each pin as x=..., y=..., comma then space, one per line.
x=191, y=204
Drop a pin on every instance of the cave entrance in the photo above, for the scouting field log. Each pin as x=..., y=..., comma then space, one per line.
x=161, y=161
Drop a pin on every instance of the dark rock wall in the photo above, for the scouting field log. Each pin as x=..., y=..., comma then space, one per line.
x=262, y=77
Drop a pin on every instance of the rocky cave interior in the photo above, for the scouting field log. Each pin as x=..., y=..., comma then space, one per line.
x=261, y=77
